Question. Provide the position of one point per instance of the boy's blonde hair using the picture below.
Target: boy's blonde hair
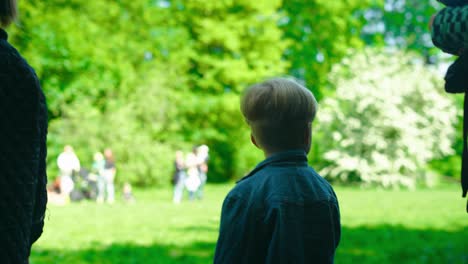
(278, 111)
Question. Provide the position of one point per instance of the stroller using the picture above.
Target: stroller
(85, 186)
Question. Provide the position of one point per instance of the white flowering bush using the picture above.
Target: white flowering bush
(388, 118)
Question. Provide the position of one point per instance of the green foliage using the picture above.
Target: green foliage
(97, 50)
(235, 43)
(148, 77)
(378, 227)
(401, 24)
(135, 131)
(100, 64)
(320, 32)
(218, 122)
(387, 120)
(450, 165)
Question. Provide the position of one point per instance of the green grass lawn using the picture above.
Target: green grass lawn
(425, 226)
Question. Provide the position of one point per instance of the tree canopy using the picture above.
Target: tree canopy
(146, 78)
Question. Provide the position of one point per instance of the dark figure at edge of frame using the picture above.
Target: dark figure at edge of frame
(449, 30)
(23, 132)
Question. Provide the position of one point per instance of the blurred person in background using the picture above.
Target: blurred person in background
(68, 164)
(127, 193)
(109, 174)
(23, 132)
(202, 159)
(192, 183)
(98, 170)
(178, 179)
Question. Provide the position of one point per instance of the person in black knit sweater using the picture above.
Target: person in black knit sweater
(23, 132)
(449, 30)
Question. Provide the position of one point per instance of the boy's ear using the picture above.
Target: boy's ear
(252, 138)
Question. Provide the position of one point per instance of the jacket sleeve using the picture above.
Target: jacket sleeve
(41, 186)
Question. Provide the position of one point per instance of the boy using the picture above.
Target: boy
(282, 211)
(449, 29)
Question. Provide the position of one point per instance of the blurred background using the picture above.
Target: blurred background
(149, 77)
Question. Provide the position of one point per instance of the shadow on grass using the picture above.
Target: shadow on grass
(198, 252)
(398, 244)
(200, 229)
(382, 244)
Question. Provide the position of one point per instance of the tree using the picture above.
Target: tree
(235, 44)
(401, 24)
(387, 121)
(97, 50)
(97, 62)
(148, 77)
(139, 129)
(321, 32)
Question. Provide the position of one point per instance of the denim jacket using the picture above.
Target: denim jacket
(281, 212)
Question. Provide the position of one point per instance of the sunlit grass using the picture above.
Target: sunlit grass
(425, 226)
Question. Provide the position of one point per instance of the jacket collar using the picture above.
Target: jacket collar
(3, 34)
(290, 155)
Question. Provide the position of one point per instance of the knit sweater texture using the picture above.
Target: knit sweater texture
(23, 132)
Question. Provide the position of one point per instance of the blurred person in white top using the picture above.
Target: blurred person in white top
(202, 160)
(193, 178)
(68, 163)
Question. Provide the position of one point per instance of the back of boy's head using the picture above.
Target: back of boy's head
(279, 111)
